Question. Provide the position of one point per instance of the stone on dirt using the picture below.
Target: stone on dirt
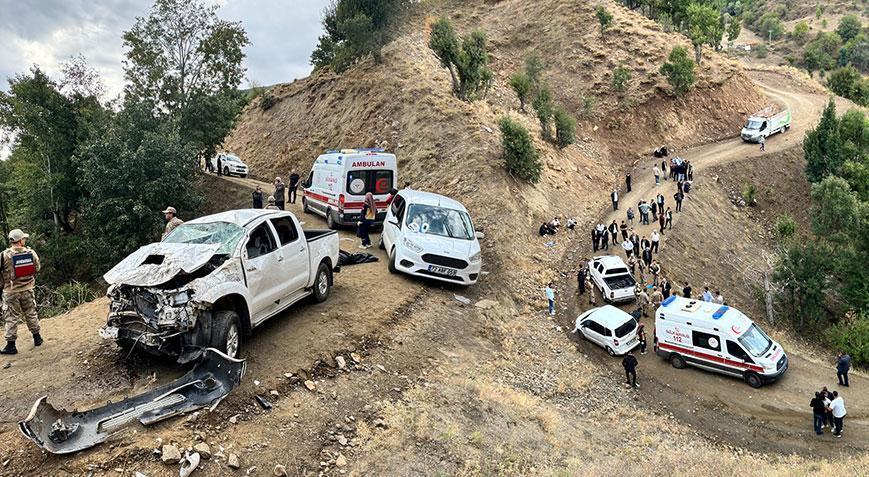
(463, 300)
(355, 357)
(170, 454)
(310, 385)
(340, 461)
(486, 304)
(203, 449)
(342, 364)
(233, 461)
(280, 471)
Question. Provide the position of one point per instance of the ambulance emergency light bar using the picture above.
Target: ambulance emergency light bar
(358, 149)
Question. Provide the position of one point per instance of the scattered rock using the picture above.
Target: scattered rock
(340, 461)
(233, 462)
(233, 419)
(462, 300)
(280, 471)
(380, 367)
(341, 439)
(203, 449)
(310, 385)
(274, 392)
(355, 357)
(342, 364)
(170, 454)
(486, 304)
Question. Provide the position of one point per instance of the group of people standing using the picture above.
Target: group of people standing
(278, 198)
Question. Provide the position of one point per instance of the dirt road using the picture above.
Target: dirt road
(773, 418)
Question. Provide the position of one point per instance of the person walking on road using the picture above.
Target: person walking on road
(172, 221)
(614, 196)
(818, 411)
(624, 229)
(614, 232)
(580, 279)
(294, 186)
(630, 364)
(19, 265)
(257, 196)
(595, 239)
(657, 173)
(678, 196)
(279, 193)
(843, 365)
(837, 408)
(669, 219)
(641, 336)
(762, 144)
(656, 239)
(219, 165)
(628, 246)
(628, 181)
(550, 297)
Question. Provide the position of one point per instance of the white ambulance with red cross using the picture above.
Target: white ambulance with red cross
(716, 338)
(339, 180)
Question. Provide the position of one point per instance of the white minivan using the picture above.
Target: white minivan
(610, 328)
(717, 338)
(431, 235)
(339, 180)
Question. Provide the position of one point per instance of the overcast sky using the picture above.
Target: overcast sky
(48, 32)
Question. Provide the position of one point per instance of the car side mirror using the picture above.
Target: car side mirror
(480, 235)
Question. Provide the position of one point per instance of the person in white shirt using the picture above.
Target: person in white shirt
(719, 298)
(550, 297)
(837, 407)
(707, 295)
(629, 248)
(657, 173)
(656, 237)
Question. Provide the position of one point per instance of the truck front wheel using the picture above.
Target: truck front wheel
(226, 333)
(322, 283)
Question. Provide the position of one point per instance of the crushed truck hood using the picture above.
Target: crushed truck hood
(159, 262)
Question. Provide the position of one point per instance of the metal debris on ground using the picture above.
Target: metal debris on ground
(64, 432)
(263, 402)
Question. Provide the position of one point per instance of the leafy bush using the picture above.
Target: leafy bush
(856, 52)
(53, 301)
(604, 18)
(467, 59)
(822, 52)
(587, 105)
(268, 100)
(545, 108)
(761, 50)
(770, 26)
(519, 153)
(849, 83)
(679, 70)
(533, 66)
(565, 127)
(785, 227)
(849, 27)
(801, 32)
(851, 335)
(749, 193)
(621, 76)
(822, 146)
(522, 86)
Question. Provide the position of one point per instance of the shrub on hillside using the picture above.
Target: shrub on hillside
(621, 76)
(749, 193)
(801, 32)
(679, 70)
(604, 18)
(851, 336)
(822, 146)
(761, 50)
(565, 127)
(587, 105)
(785, 227)
(519, 153)
(847, 82)
(466, 59)
(770, 26)
(533, 66)
(522, 86)
(856, 52)
(267, 100)
(822, 52)
(544, 107)
(849, 27)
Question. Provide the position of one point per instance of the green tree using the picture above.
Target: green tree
(802, 273)
(785, 227)
(734, 27)
(534, 66)
(703, 28)
(544, 107)
(761, 50)
(849, 27)
(770, 26)
(565, 127)
(834, 208)
(822, 146)
(519, 153)
(620, 79)
(186, 63)
(522, 86)
(847, 82)
(856, 52)
(467, 60)
(801, 32)
(604, 18)
(821, 53)
(679, 70)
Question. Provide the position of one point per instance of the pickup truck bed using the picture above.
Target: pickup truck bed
(619, 282)
(311, 235)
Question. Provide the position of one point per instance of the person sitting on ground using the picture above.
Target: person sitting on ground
(719, 298)
(571, 223)
(546, 229)
(556, 223)
(707, 295)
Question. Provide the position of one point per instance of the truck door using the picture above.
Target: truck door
(262, 267)
(764, 128)
(294, 251)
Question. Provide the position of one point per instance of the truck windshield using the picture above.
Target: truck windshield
(223, 233)
(755, 341)
(427, 219)
(753, 124)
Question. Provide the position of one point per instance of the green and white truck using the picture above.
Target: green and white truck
(765, 123)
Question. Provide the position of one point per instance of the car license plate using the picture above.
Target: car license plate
(442, 270)
(109, 333)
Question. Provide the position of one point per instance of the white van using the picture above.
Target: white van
(431, 235)
(716, 338)
(339, 180)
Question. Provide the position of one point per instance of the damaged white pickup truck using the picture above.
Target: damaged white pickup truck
(215, 279)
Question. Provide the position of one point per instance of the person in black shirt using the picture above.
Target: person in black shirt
(819, 410)
(258, 198)
(665, 288)
(580, 279)
(595, 238)
(628, 181)
(614, 231)
(686, 292)
(219, 166)
(294, 186)
(630, 364)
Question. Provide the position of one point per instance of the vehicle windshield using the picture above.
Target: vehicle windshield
(223, 233)
(626, 328)
(755, 341)
(427, 219)
(753, 124)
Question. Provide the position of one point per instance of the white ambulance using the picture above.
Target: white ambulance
(716, 338)
(339, 180)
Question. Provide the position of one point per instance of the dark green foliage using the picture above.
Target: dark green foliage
(544, 106)
(761, 50)
(679, 70)
(849, 83)
(770, 26)
(785, 227)
(849, 27)
(802, 275)
(565, 127)
(467, 59)
(620, 79)
(822, 146)
(851, 335)
(856, 53)
(522, 86)
(534, 66)
(354, 29)
(604, 18)
(704, 28)
(734, 27)
(801, 32)
(267, 101)
(519, 152)
(822, 52)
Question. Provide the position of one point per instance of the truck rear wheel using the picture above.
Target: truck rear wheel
(322, 283)
(677, 361)
(226, 333)
(753, 380)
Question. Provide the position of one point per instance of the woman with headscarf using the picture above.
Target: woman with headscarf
(366, 218)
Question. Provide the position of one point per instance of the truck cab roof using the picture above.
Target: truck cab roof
(610, 261)
(705, 315)
(239, 217)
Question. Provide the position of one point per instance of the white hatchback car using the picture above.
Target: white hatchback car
(610, 328)
(431, 235)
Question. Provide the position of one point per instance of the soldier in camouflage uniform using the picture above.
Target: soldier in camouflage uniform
(18, 267)
(171, 221)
